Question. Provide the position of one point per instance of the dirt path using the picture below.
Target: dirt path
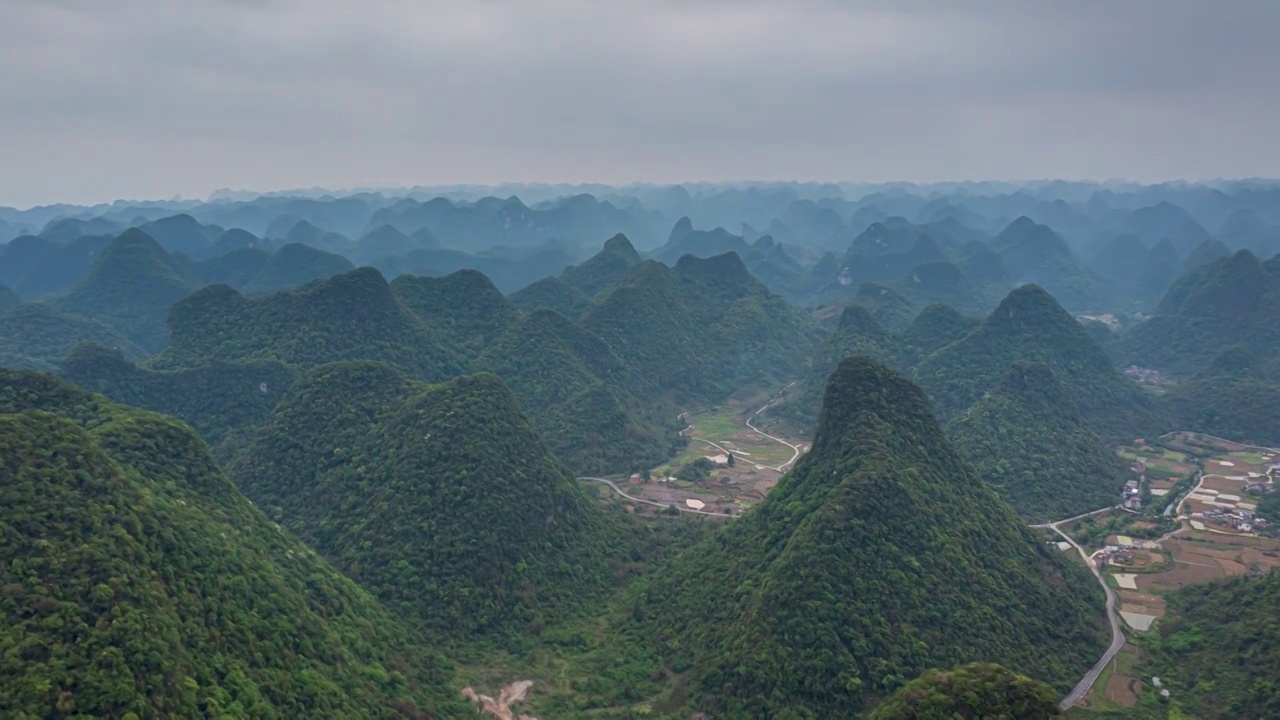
(633, 498)
(511, 694)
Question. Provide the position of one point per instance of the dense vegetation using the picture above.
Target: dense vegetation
(552, 293)
(1233, 398)
(36, 336)
(464, 307)
(604, 269)
(588, 405)
(701, 330)
(1216, 651)
(976, 691)
(443, 501)
(138, 583)
(130, 289)
(1233, 301)
(1030, 325)
(881, 555)
(1026, 438)
(223, 401)
(346, 317)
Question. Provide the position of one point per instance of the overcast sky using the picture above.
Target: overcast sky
(152, 98)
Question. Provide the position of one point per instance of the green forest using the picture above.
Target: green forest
(138, 583)
(245, 477)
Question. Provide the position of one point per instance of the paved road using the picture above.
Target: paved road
(795, 449)
(633, 498)
(1117, 634)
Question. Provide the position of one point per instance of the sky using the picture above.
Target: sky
(154, 98)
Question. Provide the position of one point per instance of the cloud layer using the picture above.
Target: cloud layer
(152, 98)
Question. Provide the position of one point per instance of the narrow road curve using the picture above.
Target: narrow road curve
(795, 449)
(1117, 634)
(633, 498)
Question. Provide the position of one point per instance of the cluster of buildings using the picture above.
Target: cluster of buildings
(1238, 520)
(1121, 553)
(1131, 498)
(1114, 555)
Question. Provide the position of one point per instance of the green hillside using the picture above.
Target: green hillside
(346, 317)
(1026, 438)
(1233, 398)
(552, 294)
(603, 269)
(703, 329)
(935, 327)
(443, 501)
(8, 300)
(1216, 651)
(138, 583)
(295, 264)
(465, 307)
(881, 555)
(977, 690)
(223, 401)
(36, 336)
(858, 333)
(1030, 325)
(1231, 301)
(580, 397)
(130, 289)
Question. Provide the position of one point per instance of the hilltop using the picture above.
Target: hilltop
(139, 583)
(1228, 302)
(1026, 438)
(603, 269)
(881, 555)
(130, 289)
(595, 415)
(345, 317)
(1030, 325)
(701, 330)
(441, 500)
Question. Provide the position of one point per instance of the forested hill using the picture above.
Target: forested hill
(983, 691)
(1231, 301)
(443, 501)
(223, 401)
(881, 555)
(604, 269)
(138, 583)
(1233, 397)
(703, 329)
(597, 415)
(346, 317)
(1218, 653)
(1030, 325)
(130, 289)
(1027, 439)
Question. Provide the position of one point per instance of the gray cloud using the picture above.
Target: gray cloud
(152, 98)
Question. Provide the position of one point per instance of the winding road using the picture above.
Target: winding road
(1117, 634)
(633, 498)
(795, 449)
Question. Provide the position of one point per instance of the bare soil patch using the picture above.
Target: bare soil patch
(500, 707)
(1122, 690)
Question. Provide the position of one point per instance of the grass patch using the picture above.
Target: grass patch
(716, 424)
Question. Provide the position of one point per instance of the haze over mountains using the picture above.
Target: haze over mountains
(378, 408)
